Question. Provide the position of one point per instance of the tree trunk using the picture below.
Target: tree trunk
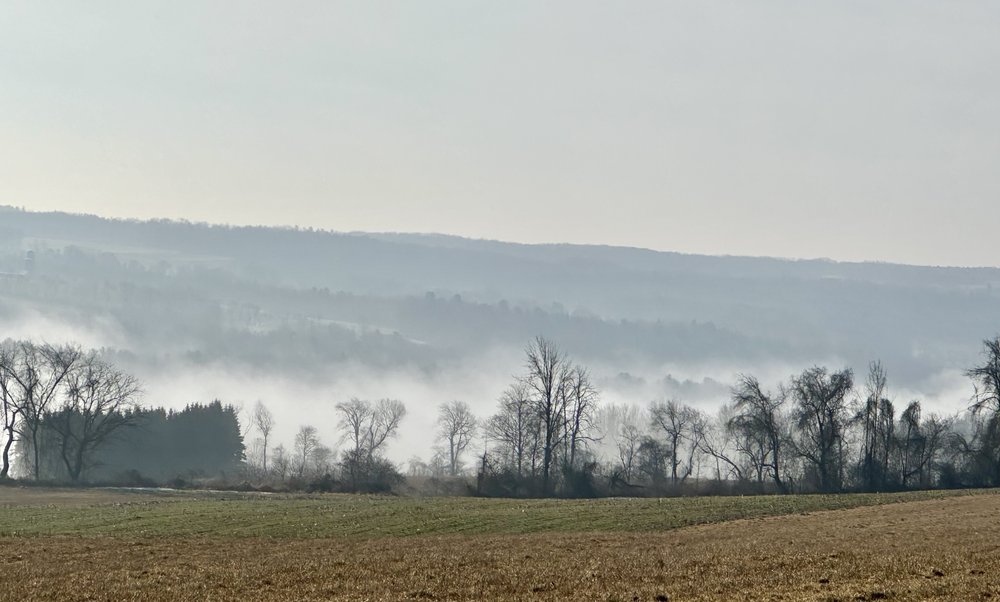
(5, 468)
(78, 464)
(546, 463)
(265, 454)
(452, 468)
(34, 449)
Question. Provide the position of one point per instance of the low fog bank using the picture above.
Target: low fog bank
(479, 383)
(298, 398)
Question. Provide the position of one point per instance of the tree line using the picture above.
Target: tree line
(71, 415)
(818, 431)
(60, 402)
(366, 428)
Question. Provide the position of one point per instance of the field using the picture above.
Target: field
(144, 545)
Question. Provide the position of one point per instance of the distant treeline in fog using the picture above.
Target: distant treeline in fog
(71, 415)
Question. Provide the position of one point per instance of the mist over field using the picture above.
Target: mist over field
(303, 319)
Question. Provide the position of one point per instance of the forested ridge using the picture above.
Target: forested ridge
(248, 289)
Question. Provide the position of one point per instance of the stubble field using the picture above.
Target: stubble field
(117, 545)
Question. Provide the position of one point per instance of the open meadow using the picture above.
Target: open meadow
(163, 545)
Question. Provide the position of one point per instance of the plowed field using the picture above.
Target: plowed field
(944, 548)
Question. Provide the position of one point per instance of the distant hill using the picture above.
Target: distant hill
(280, 299)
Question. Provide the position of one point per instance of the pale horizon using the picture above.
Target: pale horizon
(847, 131)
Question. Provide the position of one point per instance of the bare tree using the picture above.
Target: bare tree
(886, 438)
(367, 426)
(675, 421)
(697, 433)
(388, 414)
(718, 439)
(652, 459)
(548, 378)
(983, 451)
(934, 432)
(306, 442)
(279, 465)
(456, 428)
(517, 428)
(355, 416)
(822, 418)
(320, 460)
(581, 403)
(10, 409)
(438, 464)
(416, 467)
(621, 429)
(263, 420)
(911, 444)
(37, 373)
(99, 401)
(757, 428)
(252, 453)
(878, 420)
(986, 378)
(627, 443)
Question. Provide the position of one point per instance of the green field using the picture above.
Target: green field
(30, 512)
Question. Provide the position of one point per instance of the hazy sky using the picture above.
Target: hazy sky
(843, 129)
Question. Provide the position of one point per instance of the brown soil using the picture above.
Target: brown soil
(945, 549)
(28, 496)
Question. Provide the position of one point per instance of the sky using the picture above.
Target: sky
(852, 130)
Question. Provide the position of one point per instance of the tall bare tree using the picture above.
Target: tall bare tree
(986, 378)
(675, 422)
(627, 442)
(757, 426)
(621, 427)
(10, 409)
(984, 449)
(38, 373)
(306, 442)
(910, 444)
(263, 420)
(99, 400)
(367, 426)
(580, 407)
(922, 446)
(279, 465)
(877, 417)
(320, 460)
(822, 418)
(718, 440)
(549, 376)
(456, 428)
(517, 429)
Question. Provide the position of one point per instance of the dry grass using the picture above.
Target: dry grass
(945, 549)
